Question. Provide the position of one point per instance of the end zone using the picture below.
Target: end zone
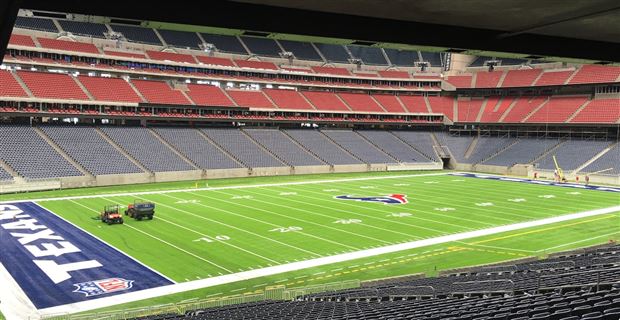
(54, 263)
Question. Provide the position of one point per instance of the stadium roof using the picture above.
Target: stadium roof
(587, 31)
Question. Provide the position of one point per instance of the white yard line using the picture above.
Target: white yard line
(207, 236)
(232, 227)
(580, 241)
(227, 187)
(161, 240)
(267, 223)
(295, 266)
(302, 220)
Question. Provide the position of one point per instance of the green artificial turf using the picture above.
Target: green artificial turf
(198, 234)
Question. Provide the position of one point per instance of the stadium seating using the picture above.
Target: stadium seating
(389, 102)
(433, 58)
(31, 156)
(443, 105)
(325, 101)
(394, 74)
(361, 102)
(607, 164)
(10, 87)
(253, 99)
(159, 92)
(503, 292)
(109, 89)
(215, 61)
(404, 58)
(558, 109)
(331, 70)
(207, 95)
(143, 146)
(196, 148)
(283, 147)
(170, 56)
(242, 148)
(255, 64)
(224, 43)
(420, 141)
(262, 46)
(124, 54)
(414, 104)
(520, 78)
(96, 30)
(495, 108)
(524, 151)
(368, 55)
(137, 34)
(595, 74)
(89, 149)
(68, 45)
(333, 52)
(180, 39)
(358, 146)
(460, 81)
(288, 99)
(393, 146)
(487, 147)
(553, 78)
(301, 50)
(486, 79)
(5, 176)
(33, 23)
(599, 111)
(319, 145)
(468, 110)
(571, 154)
(522, 108)
(21, 40)
(52, 85)
(456, 144)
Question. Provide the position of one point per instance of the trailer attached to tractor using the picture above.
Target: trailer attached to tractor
(141, 210)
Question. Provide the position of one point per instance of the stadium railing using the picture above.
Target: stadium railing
(180, 308)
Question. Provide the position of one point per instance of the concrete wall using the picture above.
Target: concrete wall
(311, 169)
(135, 178)
(416, 166)
(178, 175)
(571, 176)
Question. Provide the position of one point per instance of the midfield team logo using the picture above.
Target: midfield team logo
(391, 199)
(97, 287)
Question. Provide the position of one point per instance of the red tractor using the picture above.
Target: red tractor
(111, 215)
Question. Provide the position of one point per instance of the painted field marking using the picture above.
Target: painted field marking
(295, 266)
(228, 187)
(161, 240)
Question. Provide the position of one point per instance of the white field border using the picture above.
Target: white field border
(186, 190)
(295, 266)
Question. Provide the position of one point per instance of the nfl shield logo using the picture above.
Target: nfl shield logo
(97, 287)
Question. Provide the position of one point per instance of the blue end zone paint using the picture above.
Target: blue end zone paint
(63, 264)
(539, 182)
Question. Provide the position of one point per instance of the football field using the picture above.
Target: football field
(239, 238)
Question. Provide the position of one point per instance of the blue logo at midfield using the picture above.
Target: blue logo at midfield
(97, 287)
(391, 199)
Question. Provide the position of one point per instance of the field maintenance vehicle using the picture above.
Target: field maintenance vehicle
(141, 210)
(111, 215)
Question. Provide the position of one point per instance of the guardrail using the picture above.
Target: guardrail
(180, 308)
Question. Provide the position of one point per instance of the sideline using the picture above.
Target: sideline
(295, 266)
(226, 187)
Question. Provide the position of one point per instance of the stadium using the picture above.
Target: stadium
(241, 160)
